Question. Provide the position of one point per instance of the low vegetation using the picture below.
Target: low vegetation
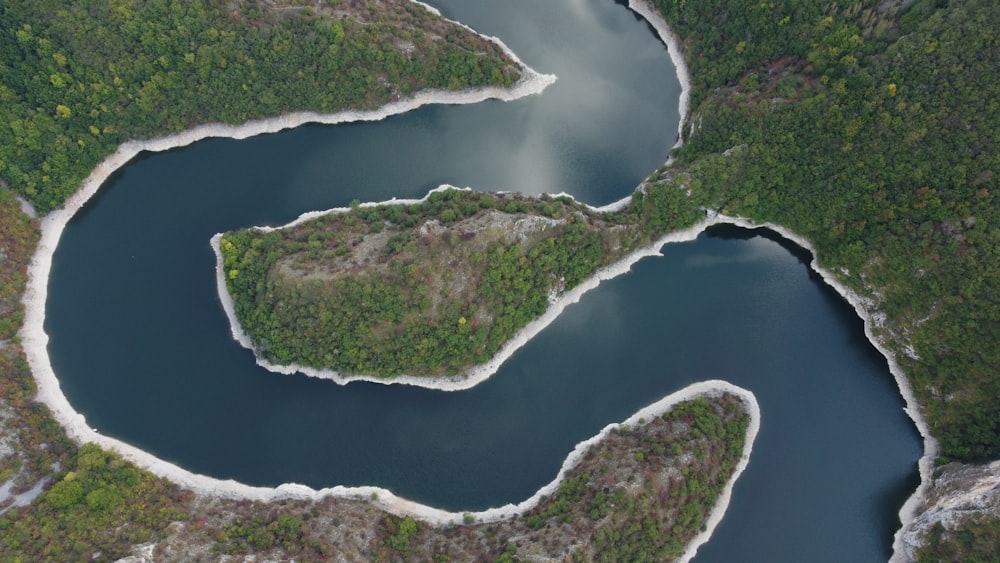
(102, 506)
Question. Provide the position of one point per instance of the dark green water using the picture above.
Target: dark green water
(142, 348)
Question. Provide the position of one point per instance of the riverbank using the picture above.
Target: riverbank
(912, 506)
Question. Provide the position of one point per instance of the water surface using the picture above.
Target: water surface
(142, 348)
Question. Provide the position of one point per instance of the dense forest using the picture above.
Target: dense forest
(874, 134)
(79, 78)
(432, 288)
(871, 128)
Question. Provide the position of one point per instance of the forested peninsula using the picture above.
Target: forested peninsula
(70, 98)
(429, 288)
(870, 128)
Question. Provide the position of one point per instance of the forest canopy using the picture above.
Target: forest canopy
(79, 78)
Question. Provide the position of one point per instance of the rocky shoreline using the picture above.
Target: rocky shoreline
(902, 549)
(904, 541)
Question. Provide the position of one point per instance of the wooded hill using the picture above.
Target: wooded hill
(79, 78)
(432, 288)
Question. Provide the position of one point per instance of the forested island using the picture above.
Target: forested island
(870, 128)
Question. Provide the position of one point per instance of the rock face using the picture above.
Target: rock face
(960, 492)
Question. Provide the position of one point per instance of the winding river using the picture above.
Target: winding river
(142, 348)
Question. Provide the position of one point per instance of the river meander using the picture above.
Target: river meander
(142, 348)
